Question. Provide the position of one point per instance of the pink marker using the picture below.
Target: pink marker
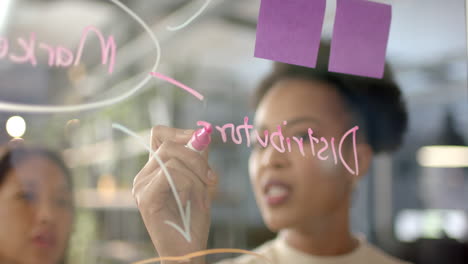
(200, 139)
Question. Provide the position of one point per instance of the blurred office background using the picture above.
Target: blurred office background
(413, 204)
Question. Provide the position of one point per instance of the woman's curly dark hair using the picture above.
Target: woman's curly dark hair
(376, 103)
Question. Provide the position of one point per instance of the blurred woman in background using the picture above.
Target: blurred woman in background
(306, 199)
(36, 208)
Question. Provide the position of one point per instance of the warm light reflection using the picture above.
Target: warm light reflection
(16, 126)
(443, 156)
(106, 187)
(77, 73)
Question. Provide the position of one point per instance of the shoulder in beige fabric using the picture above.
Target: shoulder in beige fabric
(280, 253)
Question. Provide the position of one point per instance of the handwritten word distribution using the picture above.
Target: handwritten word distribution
(283, 144)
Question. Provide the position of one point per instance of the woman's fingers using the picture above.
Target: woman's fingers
(188, 169)
(163, 188)
(161, 134)
(186, 185)
(172, 150)
(189, 158)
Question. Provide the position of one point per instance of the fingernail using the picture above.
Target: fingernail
(184, 134)
(188, 132)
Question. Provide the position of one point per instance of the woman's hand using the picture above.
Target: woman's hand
(193, 180)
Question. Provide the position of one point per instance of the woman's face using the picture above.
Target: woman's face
(35, 213)
(292, 190)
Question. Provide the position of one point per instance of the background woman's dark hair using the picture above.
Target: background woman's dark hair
(13, 156)
(376, 103)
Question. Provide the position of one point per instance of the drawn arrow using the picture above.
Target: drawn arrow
(184, 214)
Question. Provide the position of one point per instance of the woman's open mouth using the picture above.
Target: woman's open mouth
(276, 193)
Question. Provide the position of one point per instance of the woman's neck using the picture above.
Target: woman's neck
(324, 237)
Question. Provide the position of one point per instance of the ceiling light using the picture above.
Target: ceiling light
(443, 156)
(16, 126)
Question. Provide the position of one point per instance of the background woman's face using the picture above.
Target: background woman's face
(35, 213)
(293, 190)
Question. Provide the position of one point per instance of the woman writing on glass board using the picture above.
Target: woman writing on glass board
(36, 211)
(304, 198)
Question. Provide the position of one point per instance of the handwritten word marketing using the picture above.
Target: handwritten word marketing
(58, 56)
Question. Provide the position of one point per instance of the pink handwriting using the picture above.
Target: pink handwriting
(176, 83)
(28, 48)
(58, 56)
(278, 142)
(105, 47)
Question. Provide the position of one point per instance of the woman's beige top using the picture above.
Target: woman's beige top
(280, 253)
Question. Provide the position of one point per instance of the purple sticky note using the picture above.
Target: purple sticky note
(360, 38)
(289, 31)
